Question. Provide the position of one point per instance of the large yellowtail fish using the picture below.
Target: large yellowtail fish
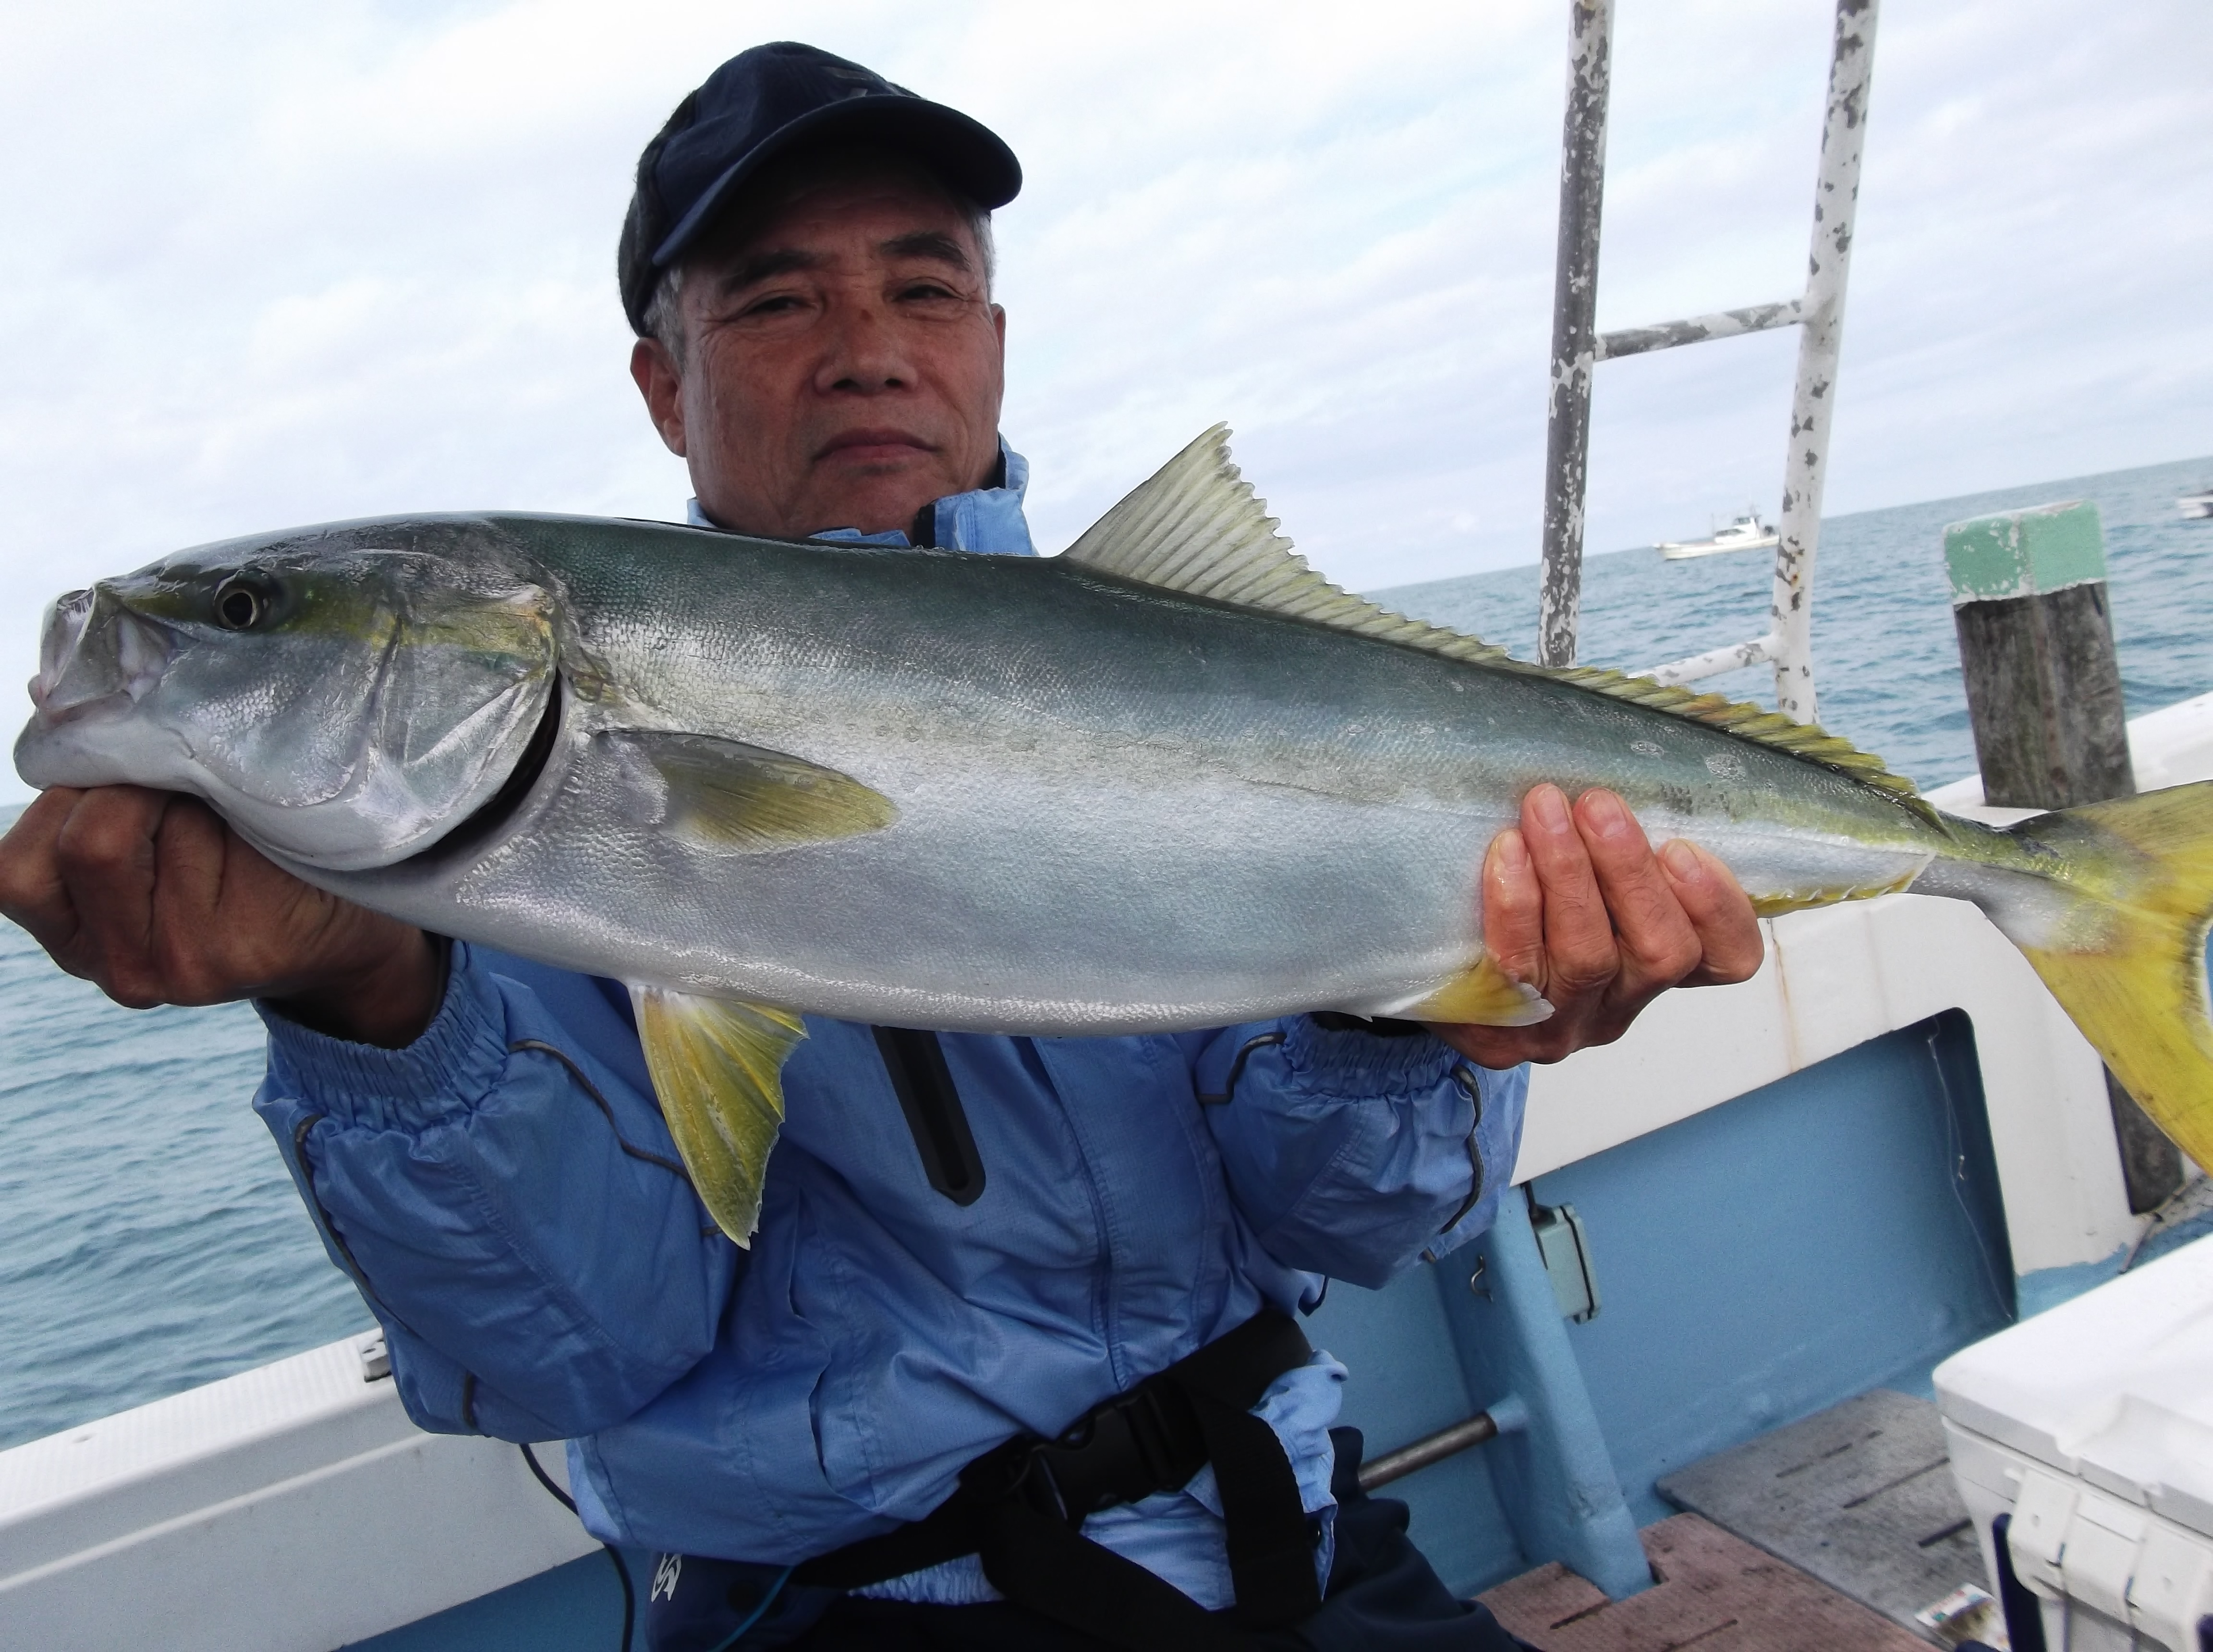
(1171, 779)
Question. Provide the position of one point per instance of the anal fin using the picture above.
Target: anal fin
(718, 1065)
(1775, 903)
(1482, 995)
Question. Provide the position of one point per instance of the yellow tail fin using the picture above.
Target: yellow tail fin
(2130, 967)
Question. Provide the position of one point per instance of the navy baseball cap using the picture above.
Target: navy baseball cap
(767, 102)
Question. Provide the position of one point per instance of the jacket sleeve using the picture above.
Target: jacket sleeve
(1350, 1153)
(505, 1195)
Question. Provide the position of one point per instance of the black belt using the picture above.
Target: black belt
(1020, 1506)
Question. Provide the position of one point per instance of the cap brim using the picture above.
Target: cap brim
(966, 154)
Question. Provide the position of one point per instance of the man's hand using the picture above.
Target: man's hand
(1577, 904)
(152, 898)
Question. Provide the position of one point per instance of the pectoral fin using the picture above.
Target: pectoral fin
(1483, 995)
(743, 800)
(718, 1066)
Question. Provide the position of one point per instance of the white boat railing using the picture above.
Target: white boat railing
(292, 1507)
(1578, 346)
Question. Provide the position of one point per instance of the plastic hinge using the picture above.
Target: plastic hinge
(2038, 1535)
(2172, 1587)
(375, 1359)
(2101, 1556)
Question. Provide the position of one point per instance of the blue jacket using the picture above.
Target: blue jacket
(506, 1195)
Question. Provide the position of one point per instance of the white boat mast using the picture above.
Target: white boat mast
(1577, 347)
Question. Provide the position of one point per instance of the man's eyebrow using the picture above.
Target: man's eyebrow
(933, 244)
(762, 267)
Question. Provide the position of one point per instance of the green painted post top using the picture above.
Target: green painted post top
(2024, 552)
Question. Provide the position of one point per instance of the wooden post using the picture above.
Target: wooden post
(2043, 694)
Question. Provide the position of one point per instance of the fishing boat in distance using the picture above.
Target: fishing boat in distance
(2199, 504)
(1746, 533)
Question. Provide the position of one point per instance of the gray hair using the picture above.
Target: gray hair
(664, 311)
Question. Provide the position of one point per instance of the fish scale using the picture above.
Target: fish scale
(1171, 779)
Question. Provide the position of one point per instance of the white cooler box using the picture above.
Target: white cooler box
(2092, 1426)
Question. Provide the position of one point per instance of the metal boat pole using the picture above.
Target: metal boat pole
(1575, 315)
(1431, 1449)
(1787, 643)
(1836, 196)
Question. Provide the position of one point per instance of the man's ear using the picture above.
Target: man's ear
(662, 383)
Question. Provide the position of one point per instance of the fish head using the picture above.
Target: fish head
(343, 706)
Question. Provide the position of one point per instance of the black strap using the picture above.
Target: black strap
(1055, 1570)
(924, 1083)
(1271, 1538)
(1021, 1505)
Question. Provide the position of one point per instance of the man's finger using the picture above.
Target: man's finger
(1514, 910)
(1657, 942)
(1730, 942)
(1579, 950)
(31, 893)
(189, 938)
(106, 854)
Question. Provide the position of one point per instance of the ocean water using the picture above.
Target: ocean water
(151, 1239)
(1886, 663)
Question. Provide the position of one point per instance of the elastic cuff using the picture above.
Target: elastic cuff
(458, 1059)
(1343, 1061)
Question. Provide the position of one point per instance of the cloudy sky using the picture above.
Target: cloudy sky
(267, 264)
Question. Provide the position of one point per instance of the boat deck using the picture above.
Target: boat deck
(1860, 1497)
(1715, 1592)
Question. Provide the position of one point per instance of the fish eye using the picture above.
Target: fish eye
(241, 603)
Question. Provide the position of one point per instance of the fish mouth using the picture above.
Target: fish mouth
(95, 655)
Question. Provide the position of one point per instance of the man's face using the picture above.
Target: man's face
(842, 363)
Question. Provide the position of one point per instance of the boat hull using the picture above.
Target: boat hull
(1674, 552)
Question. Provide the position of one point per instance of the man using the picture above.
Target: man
(844, 1436)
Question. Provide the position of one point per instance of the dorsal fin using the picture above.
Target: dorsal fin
(1197, 527)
